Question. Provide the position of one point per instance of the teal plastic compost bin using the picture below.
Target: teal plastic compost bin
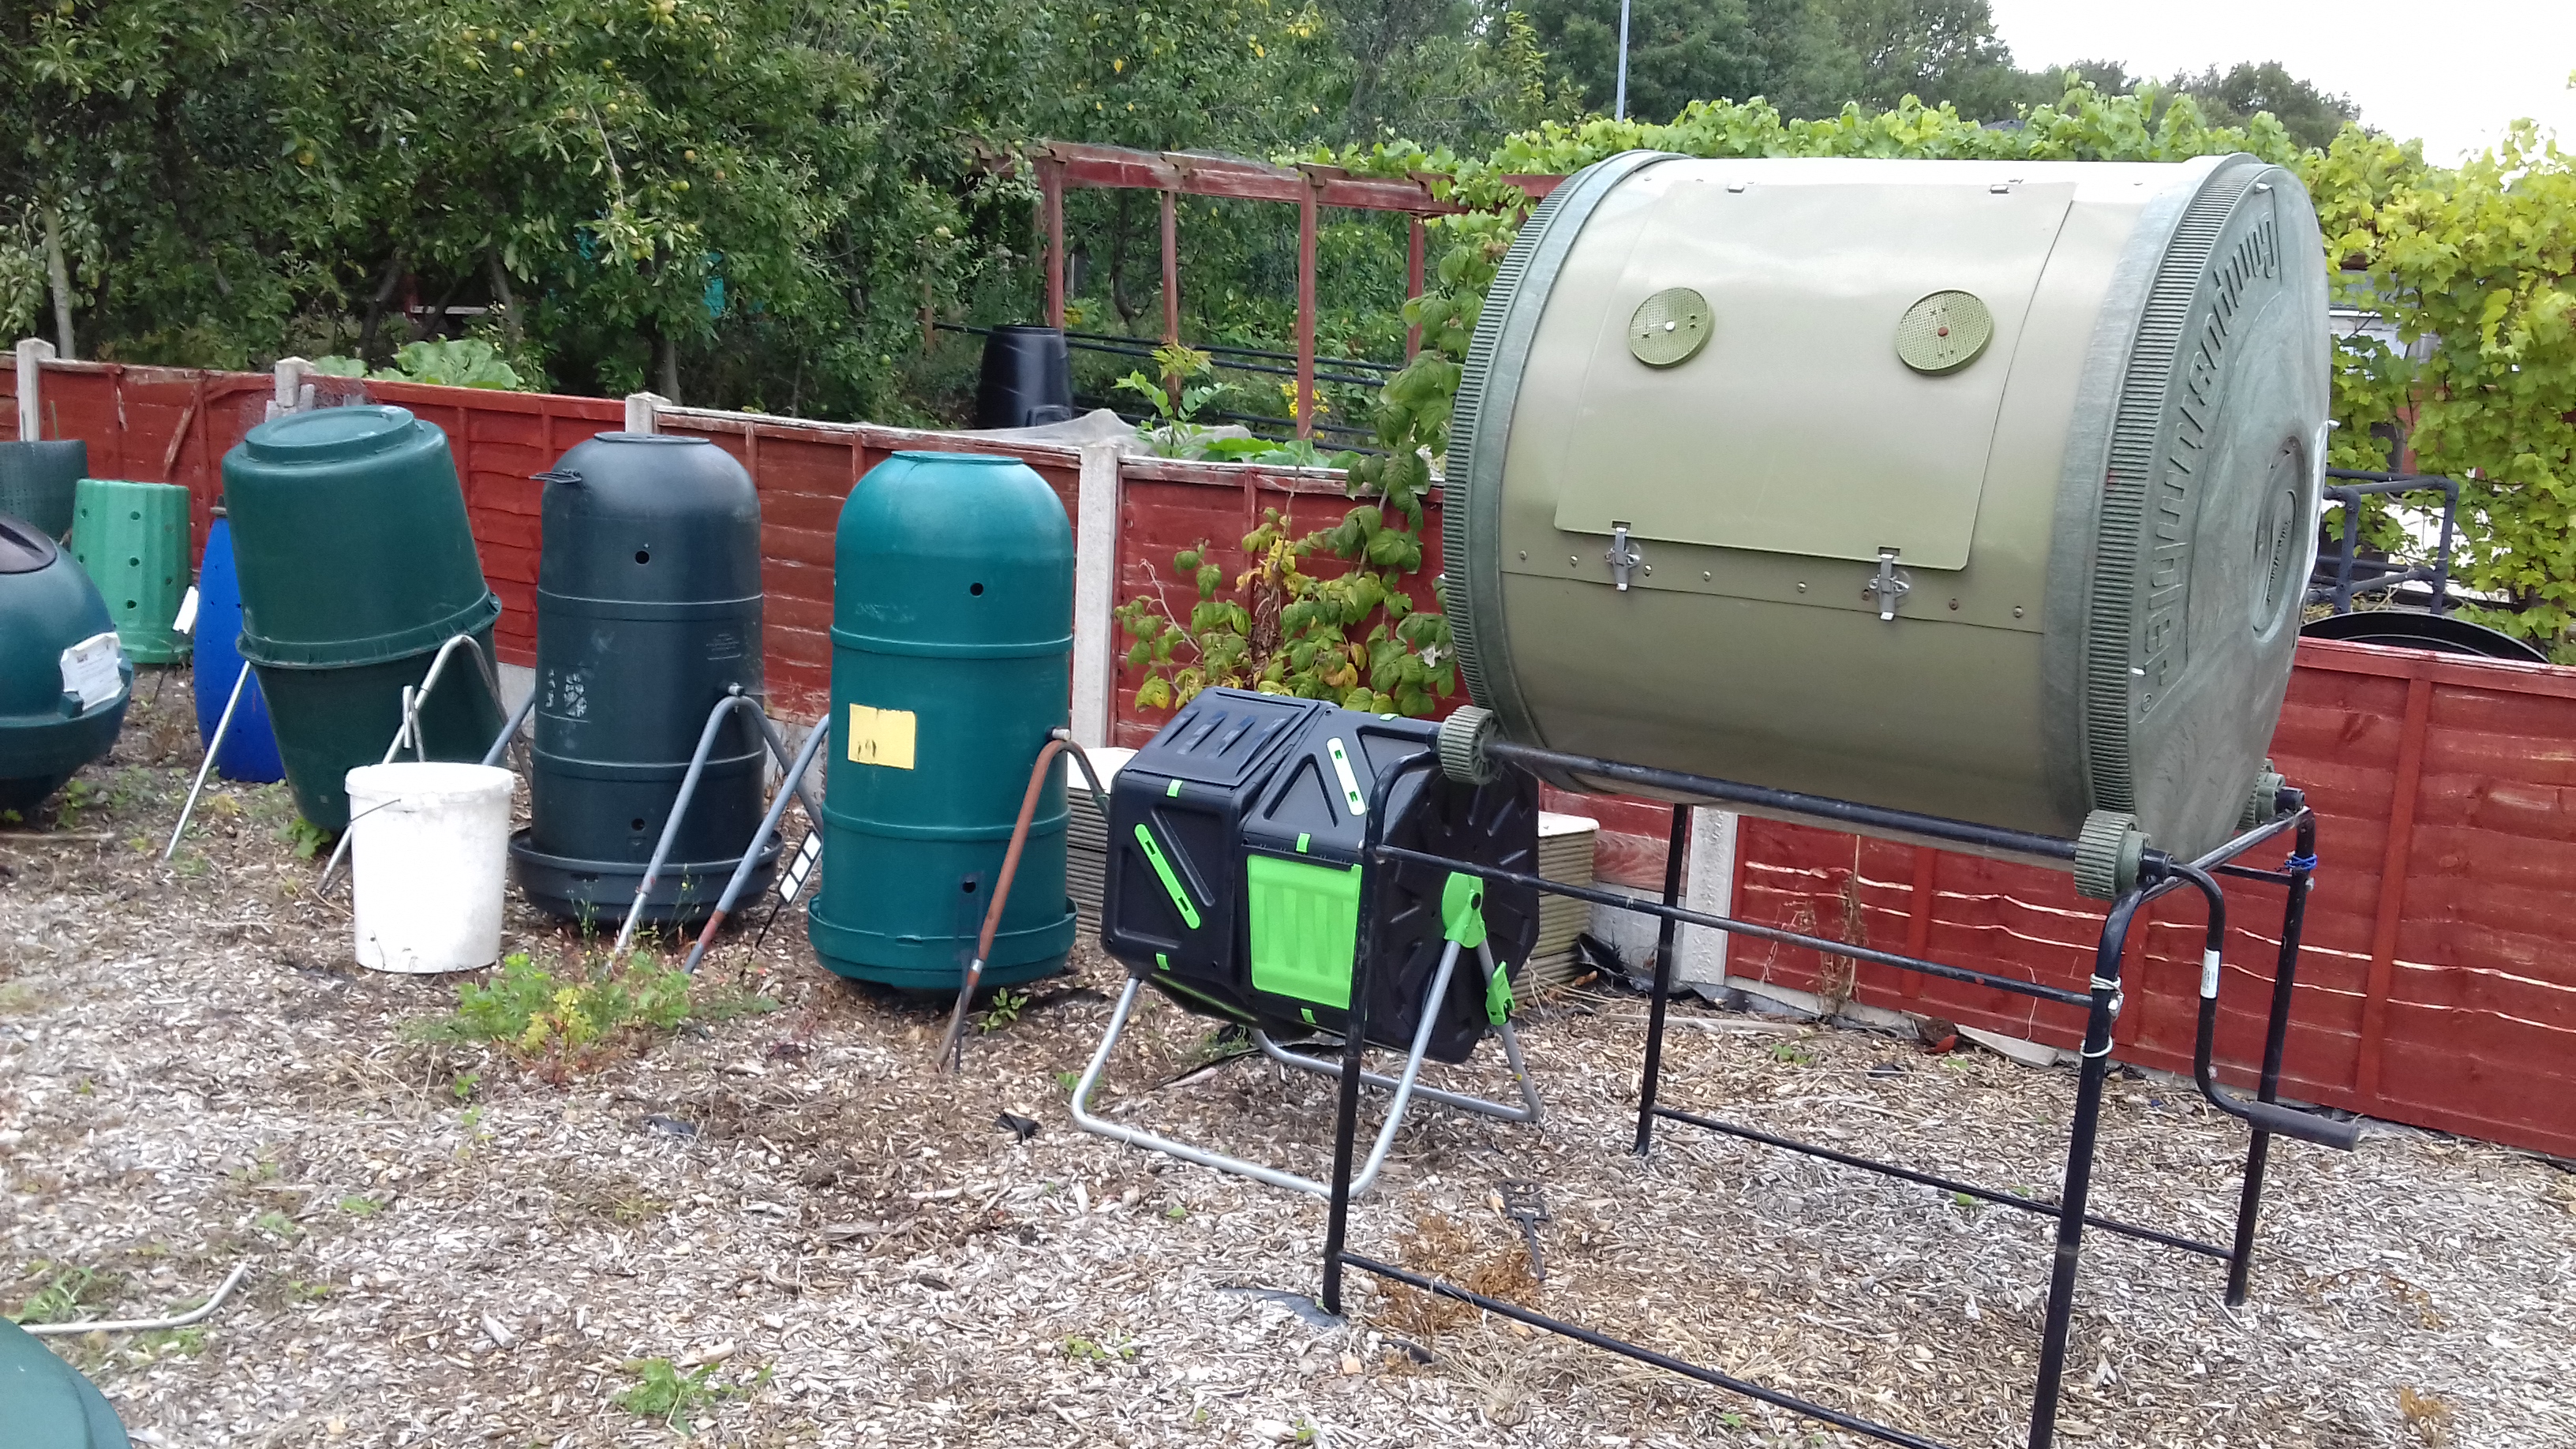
(63, 681)
(952, 646)
(356, 565)
(133, 540)
(45, 1403)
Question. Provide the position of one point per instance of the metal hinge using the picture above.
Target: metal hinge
(1624, 556)
(1889, 586)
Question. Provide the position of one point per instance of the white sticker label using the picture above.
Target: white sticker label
(792, 880)
(90, 670)
(1351, 795)
(2208, 974)
(186, 622)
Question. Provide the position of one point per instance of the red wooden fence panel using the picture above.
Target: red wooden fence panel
(2438, 975)
(2437, 970)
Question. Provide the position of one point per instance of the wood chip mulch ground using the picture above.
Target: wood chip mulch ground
(831, 1243)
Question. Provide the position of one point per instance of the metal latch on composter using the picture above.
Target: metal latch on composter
(1889, 586)
(1625, 557)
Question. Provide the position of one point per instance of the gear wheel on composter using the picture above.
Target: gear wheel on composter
(1463, 737)
(2108, 852)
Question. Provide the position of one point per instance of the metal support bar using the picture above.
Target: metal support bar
(518, 717)
(1987, 840)
(1404, 1088)
(2276, 1032)
(2102, 1002)
(407, 731)
(223, 727)
(1946, 1184)
(1527, 1111)
(1666, 1362)
(750, 861)
(1684, 916)
(1667, 939)
(733, 700)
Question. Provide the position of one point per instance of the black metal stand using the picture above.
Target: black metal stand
(2158, 876)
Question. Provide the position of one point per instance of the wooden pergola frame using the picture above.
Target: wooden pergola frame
(1173, 174)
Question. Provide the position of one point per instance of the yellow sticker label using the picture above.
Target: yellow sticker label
(881, 737)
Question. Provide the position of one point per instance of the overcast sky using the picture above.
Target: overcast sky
(2451, 72)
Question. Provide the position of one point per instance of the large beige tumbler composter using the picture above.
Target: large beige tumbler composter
(1984, 490)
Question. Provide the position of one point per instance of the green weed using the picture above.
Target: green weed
(1794, 1054)
(1105, 1350)
(559, 1023)
(304, 837)
(70, 1293)
(1068, 1080)
(277, 1225)
(662, 1391)
(358, 1206)
(1006, 1008)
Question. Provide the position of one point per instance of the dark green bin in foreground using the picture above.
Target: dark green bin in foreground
(45, 1403)
(356, 565)
(952, 648)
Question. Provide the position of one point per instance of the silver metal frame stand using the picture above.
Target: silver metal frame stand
(734, 699)
(408, 732)
(1405, 1087)
(206, 766)
(788, 789)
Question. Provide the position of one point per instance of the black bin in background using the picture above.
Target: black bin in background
(38, 478)
(1027, 378)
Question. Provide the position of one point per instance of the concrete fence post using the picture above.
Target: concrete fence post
(640, 408)
(1095, 595)
(293, 394)
(33, 354)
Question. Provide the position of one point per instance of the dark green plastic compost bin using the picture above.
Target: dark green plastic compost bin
(356, 565)
(48, 726)
(133, 540)
(952, 644)
(648, 611)
(37, 479)
(45, 1403)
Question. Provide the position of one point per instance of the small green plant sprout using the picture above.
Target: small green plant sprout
(662, 1390)
(1068, 1080)
(1174, 430)
(1176, 1213)
(1305, 1432)
(277, 1225)
(1098, 1350)
(304, 837)
(70, 1293)
(1792, 1053)
(358, 1205)
(1006, 1008)
(463, 1087)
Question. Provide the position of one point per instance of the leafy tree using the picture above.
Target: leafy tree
(1933, 50)
(2310, 115)
(1680, 51)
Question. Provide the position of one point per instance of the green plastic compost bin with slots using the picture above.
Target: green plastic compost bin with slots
(356, 566)
(132, 538)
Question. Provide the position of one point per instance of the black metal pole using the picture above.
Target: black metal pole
(1665, 942)
(1355, 1029)
(2258, 1153)
(2351, 535)
(2096, 1067)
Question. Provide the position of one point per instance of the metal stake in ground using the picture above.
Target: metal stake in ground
(952, 1049)
(768, 826)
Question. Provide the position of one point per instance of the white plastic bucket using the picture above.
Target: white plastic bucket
(428, 845)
